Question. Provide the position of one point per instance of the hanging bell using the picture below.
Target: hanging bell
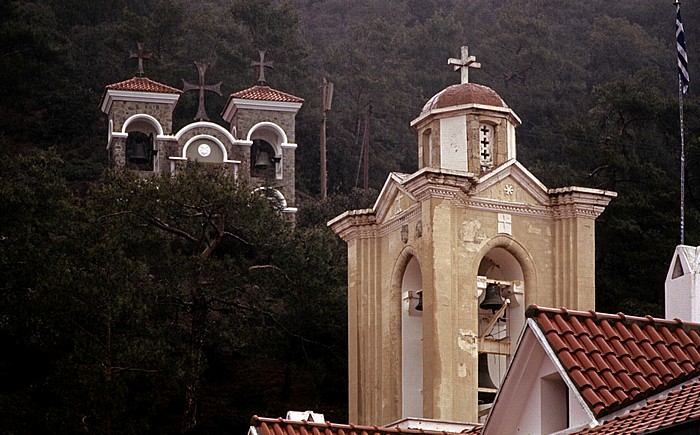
(492, 300)
(485, 380)
(419, 305)
(139, 152)
(263, 160)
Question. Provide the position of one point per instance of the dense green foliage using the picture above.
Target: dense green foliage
(126, 310)
(123, 300)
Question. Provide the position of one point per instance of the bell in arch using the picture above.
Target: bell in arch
(262, 161)
(492, 300)
(485, 380)
(139, 153)
(140, 148)
(419, 305)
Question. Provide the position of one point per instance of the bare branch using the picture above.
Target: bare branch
(131, 369)
(271, 266)
(165, 227)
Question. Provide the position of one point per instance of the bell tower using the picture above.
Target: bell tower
(441, 269)
(140, 113)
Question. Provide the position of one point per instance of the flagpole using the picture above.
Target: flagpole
(683, 80)
(680, 111)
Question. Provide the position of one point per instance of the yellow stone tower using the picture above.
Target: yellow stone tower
(441, 269)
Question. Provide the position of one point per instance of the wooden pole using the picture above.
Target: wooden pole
(326, 102)
(365, 148)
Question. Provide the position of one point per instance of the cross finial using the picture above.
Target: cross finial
(262, 65)
(201, 87)
(141, 55)
(464, 63)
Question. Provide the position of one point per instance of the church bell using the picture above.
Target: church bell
(484, 375)
(419, 305)
(262, 161)
(492, 300)
(139, 153)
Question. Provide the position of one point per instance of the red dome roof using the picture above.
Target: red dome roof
(465, 93)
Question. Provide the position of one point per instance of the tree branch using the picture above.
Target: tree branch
(165, 227)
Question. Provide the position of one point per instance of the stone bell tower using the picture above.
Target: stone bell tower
(441, 269)
(258, 146)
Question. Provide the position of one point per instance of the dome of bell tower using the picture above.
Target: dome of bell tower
(463, 94)
(467, 128)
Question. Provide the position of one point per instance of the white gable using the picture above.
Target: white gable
(682, 288)
(537, 395)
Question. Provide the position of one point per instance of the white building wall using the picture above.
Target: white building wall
(453, 143)
(682, 289)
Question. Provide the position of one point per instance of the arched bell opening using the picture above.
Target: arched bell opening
(412, 340)
(263, 159)
(501, 316)
(141, 150)
(266, 160)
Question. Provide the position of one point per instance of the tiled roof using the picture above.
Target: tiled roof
(266, 93)
(678, 407)
(143, 84)
(465, 93)
(280, 426)
(615, 360)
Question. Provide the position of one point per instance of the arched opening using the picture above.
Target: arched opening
(501, 281)
(412, 341)
(263, 159)
(266, 151)
(140, 148)
(140, 151)
(426, 149)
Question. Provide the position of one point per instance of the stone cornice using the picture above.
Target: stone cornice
(509, 207)
(354, 224)
(431, 183)
(579, 202)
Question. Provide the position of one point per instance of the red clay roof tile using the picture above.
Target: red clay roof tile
(279, 426)
(266, 93)
(679, 406)
(615, 360)
(143, 84)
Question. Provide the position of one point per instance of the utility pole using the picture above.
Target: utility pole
(326, 102)
(365, 147)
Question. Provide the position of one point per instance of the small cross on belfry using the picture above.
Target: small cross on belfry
(201, 87)
(141, 55)
(464, 63)
(262, 65)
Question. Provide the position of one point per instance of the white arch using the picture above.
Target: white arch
(205, 124)
(209, 138)
(280, 133)
(275, 192)
(148, 118)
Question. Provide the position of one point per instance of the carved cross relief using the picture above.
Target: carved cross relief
(486, 146)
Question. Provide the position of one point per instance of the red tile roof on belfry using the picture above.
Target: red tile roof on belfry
(266, 93)
(681, 406)
(616, 360)
(280, 426)
(143, 84)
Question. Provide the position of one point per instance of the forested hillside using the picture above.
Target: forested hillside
(105, 324)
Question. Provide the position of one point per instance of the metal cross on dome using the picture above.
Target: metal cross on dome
(201, 87)
(262, 65)
(464, 63)
(141, 55)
